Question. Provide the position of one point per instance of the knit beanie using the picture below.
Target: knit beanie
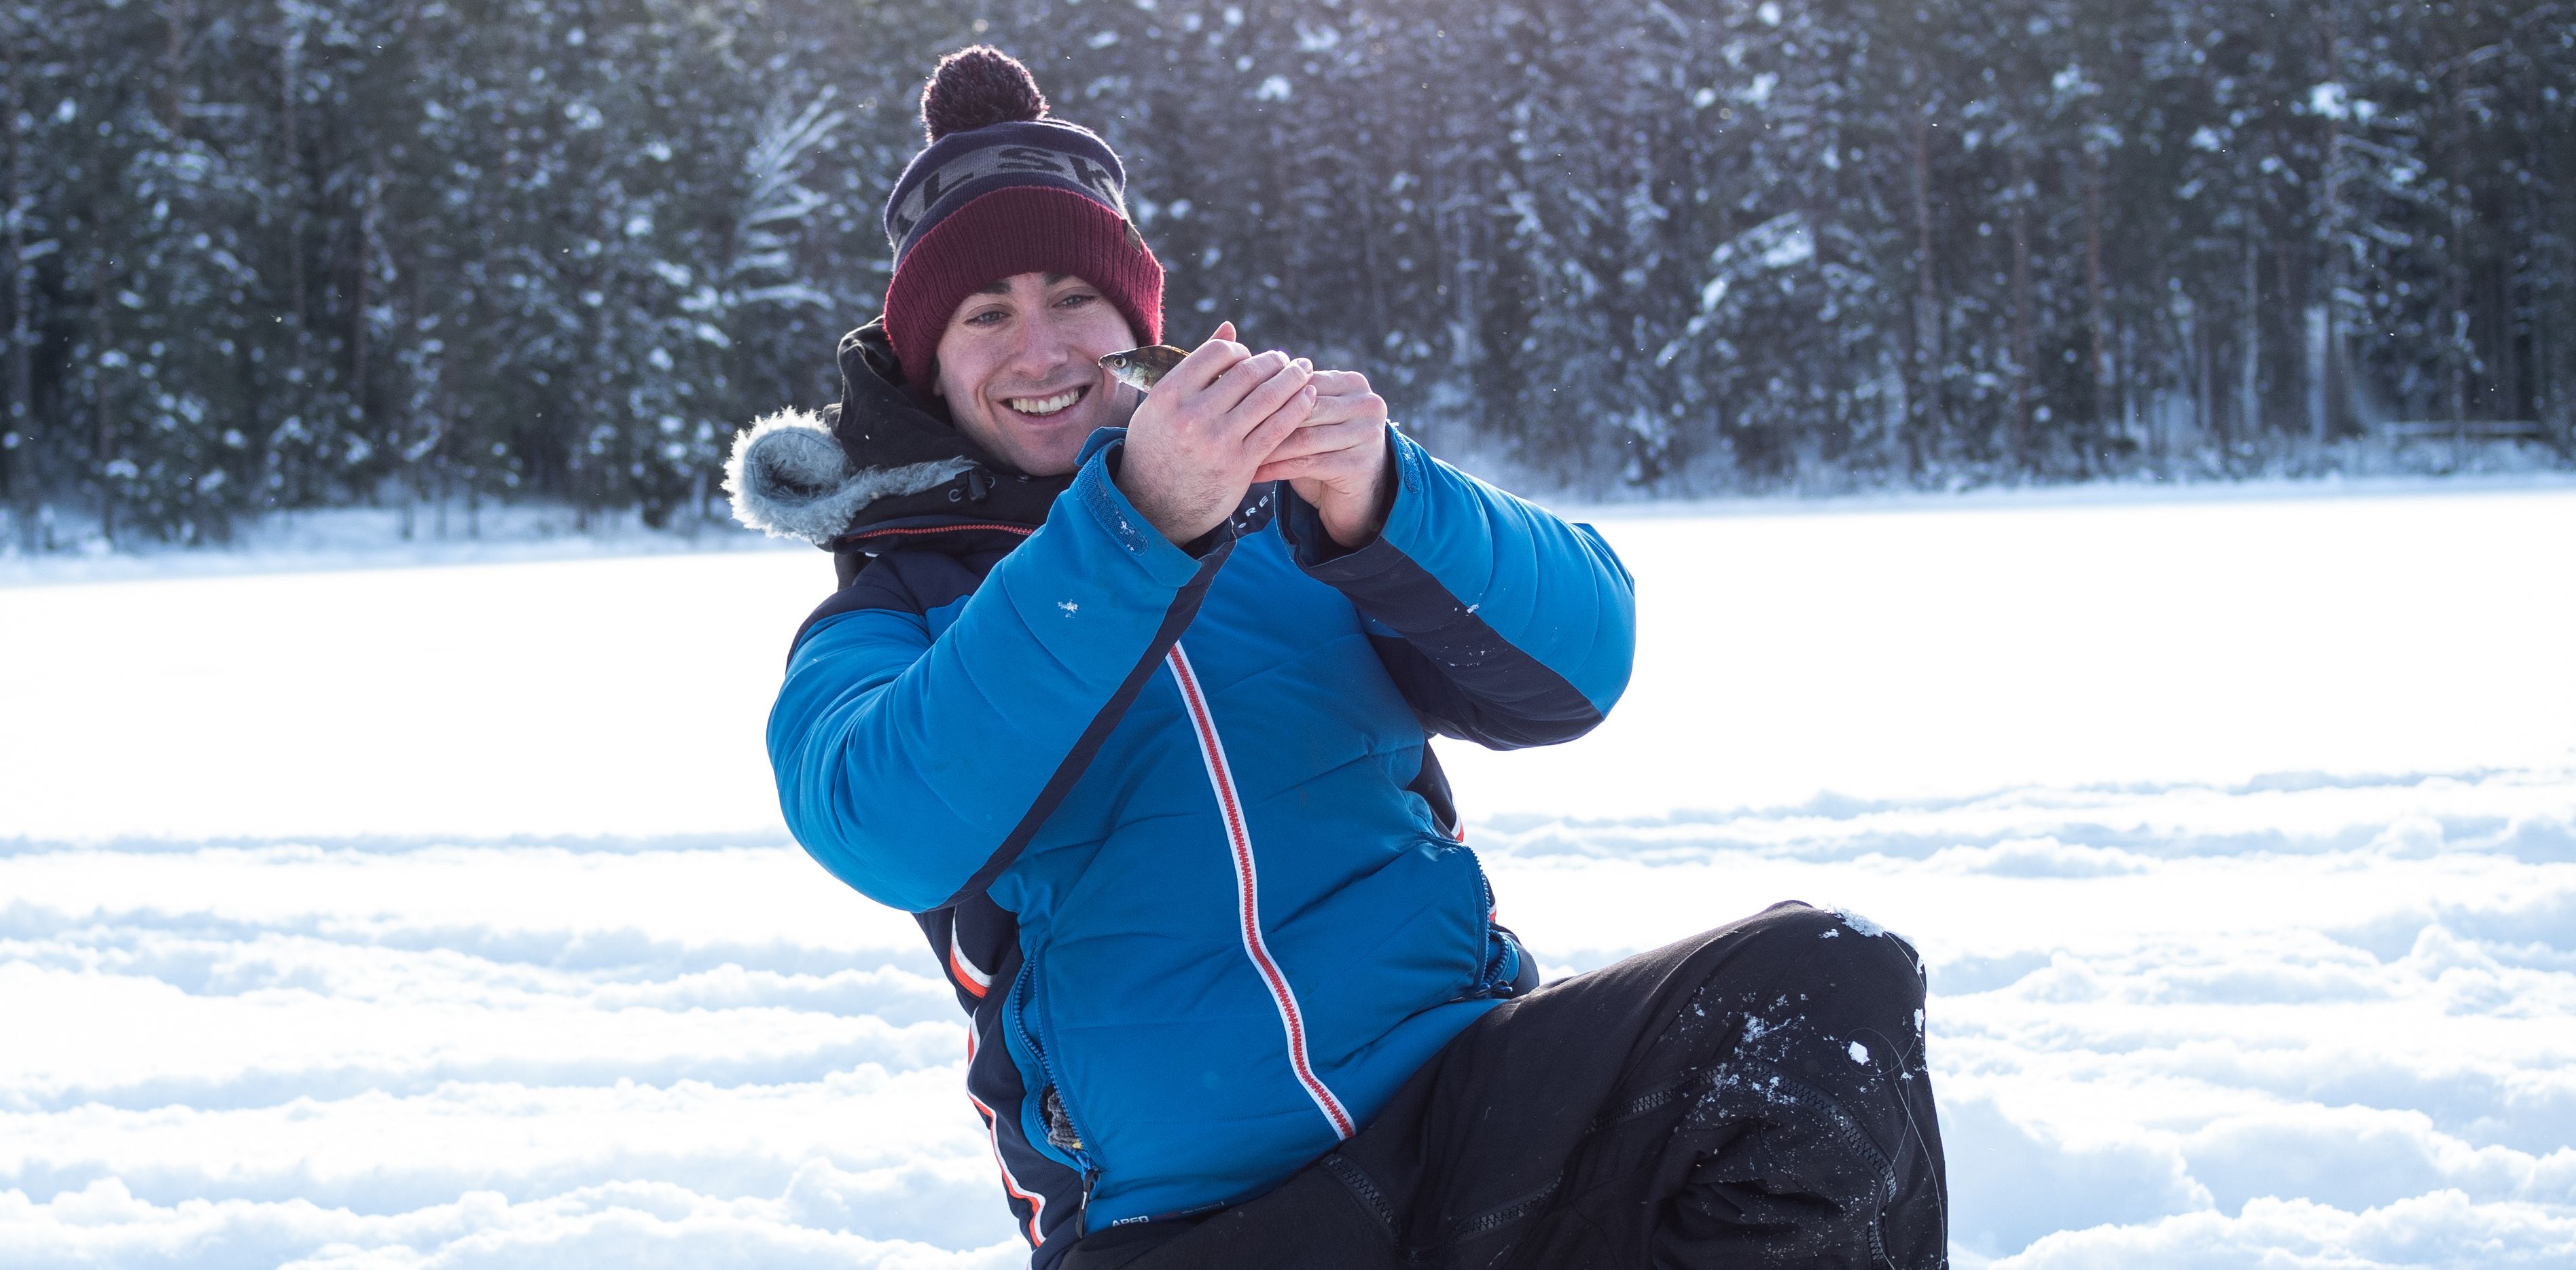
(1001, 190)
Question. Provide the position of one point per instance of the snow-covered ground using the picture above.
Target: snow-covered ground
(71, 548)
(439, 916)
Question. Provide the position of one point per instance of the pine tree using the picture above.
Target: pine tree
(278, 254)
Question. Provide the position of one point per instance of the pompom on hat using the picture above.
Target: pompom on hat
(1001, 190)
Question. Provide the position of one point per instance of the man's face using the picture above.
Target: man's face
(1019, 366)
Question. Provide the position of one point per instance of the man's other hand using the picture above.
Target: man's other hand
(1195, 445)
(1337, 461)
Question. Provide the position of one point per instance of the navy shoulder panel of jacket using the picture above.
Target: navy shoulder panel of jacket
(916, 564)
(1503, 624)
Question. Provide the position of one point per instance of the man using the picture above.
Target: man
(1137, 723)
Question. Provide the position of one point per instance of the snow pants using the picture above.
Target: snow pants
(1754, 1096)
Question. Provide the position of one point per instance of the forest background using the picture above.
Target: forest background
(441, 254)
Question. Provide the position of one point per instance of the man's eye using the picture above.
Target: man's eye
(985, 318)
(1078, 297)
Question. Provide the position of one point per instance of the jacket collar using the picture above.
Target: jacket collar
(882, 425)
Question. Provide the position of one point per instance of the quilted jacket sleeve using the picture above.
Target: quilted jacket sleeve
(916, 769)
(1501, 623)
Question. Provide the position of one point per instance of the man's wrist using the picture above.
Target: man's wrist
(1354, 530)
(1178, 525)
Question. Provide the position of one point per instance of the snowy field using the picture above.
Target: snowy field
(440, 916)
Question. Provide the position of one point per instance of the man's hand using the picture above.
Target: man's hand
(1338, 459)
(1196, 443)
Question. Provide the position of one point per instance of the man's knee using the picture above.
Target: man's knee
(1835, 952)
(1815, 1137)
(1816, 992)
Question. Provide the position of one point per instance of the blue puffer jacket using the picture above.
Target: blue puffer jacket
(1171, 819)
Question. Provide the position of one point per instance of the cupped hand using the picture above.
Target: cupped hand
(1194, 446)
(1337, 459)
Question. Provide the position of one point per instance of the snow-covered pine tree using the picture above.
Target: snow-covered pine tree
(290, 253)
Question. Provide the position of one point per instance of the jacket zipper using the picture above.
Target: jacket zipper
(1046, 1067)
(1488, 966)
(1021, 530)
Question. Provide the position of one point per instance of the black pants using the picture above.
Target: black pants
(1755, 1096)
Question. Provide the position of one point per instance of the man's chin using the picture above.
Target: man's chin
(1054, 455)
(1054, 448)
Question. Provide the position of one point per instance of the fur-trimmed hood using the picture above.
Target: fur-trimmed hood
(790, 478)
(881, 454)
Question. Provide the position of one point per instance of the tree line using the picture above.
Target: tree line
(292, 253)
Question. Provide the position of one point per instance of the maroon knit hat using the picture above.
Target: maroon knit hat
(1003, 190)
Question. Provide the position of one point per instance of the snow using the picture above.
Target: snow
(369, 538)
(440, 915)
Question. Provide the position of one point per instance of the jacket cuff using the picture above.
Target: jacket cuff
(1327, 560)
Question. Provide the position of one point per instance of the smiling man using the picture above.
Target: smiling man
(1130, 702)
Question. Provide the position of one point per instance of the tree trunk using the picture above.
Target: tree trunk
(2545, 353)
(2093, 287)
(2249, 385)
(290, 58)
(103, 444)
(177, 12)
(2292, 305)
(2130, 422)
(2508, 375)
(1924, 405)
(2325, 358)
(360, 295)
(20, 424)
(2204, 351)
(2319, 369)
(2022, 357)
(2456, 268)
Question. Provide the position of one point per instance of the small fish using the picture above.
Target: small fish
(1141, 368)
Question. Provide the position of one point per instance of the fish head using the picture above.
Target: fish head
(1141, 368)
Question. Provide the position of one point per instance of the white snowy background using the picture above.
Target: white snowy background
(398, 917)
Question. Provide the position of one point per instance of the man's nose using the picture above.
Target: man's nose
(1040, 348)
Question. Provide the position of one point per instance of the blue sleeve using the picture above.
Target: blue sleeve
(914, 768)
(1502, 624)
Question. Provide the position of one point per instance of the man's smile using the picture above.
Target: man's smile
(1041, 407)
